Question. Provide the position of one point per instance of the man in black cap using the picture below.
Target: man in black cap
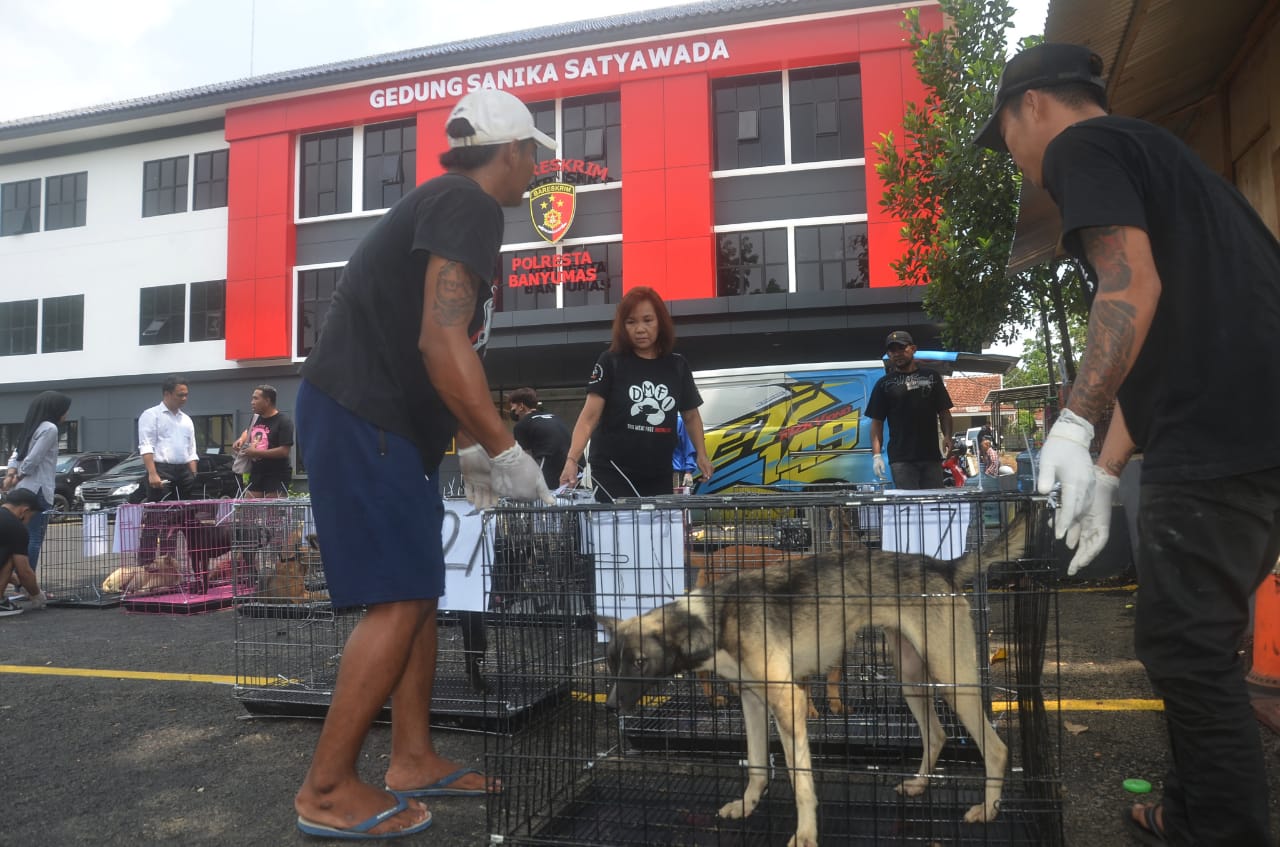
(915, 402)
(1178, 265)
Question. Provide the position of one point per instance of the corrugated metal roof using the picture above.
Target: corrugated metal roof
(670, 19)
(1162, 57)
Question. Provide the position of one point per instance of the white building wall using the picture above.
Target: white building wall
(110, 259)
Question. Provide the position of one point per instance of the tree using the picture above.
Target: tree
(1033, 366)
(959, 203)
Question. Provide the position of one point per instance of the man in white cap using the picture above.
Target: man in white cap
(394, 377)
(1183, 274)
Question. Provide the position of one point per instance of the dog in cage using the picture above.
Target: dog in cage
(286, 579)
(768, 629)
(160, 575)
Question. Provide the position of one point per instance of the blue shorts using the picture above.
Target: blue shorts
(378, 517)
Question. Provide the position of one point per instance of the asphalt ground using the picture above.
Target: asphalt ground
(124, 729)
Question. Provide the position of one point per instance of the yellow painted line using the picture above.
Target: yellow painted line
(1119, 705)
(1097, 589)
(1076, 705)
(106, 673)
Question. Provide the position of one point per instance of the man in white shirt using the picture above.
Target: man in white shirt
(167, 443)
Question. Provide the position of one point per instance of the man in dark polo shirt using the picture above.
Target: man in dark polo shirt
(542, 435)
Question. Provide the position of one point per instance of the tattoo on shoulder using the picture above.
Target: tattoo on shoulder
(455, 295)
(1106, 248)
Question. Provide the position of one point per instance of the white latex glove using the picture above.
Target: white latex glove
(1094, 526)
(877, 466)
(516, 475)
(1065, 459)
(477, 476)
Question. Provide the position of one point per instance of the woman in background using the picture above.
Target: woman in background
(33, 461)
(636, 390)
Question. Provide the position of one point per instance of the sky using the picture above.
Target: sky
(61, 55)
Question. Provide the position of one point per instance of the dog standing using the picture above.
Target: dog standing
(768, 629)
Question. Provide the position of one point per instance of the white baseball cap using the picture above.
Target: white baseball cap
(497, 118)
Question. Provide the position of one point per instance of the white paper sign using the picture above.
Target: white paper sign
(639, 559)
(128, 527)
(465, 536)
(93, 528)
(936, 528)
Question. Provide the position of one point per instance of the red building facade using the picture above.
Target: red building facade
(668, 193)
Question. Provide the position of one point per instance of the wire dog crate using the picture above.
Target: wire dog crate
(659, 771)
(79, 553)
(182, 560)
(289, 640)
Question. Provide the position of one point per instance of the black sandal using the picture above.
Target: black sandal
(1152, 833)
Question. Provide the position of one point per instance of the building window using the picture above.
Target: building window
(315, 291)
(18, 327)
(592, 130)
(63, 324)
(752, 262)
(210, 180)
(214, 433)
(161, 314)
(20, 207)
(164, 186)
(831, 257)
(606, 288)
(65, 198)
(390, 163)
(326, 173)
(748, 121)
(544, 118)
(208, 310)
(826, 113)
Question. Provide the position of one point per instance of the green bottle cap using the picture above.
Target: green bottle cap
(1137, 786)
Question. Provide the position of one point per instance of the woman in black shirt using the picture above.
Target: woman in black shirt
(636, 390)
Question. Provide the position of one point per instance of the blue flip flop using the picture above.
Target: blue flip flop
(440, 788)
(360, 832)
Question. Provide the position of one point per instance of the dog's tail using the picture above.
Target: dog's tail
(1010, 545)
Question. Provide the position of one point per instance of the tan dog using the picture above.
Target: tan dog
(134, 579)
(767, 629)
(285, 581)
(729, 562)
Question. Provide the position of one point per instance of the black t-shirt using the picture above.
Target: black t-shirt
(366, 357)
(637, 429)
(910, 403)
(266, 434)
(546, 438)
(13, 536)
(1204, 394)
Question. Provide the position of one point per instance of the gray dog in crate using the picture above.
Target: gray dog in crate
(769, 629)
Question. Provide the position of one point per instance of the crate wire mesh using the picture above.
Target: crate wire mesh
(289, 640)
(580, 774)
(77, 557)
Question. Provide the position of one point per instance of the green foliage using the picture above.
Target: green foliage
(1033, 366)
(959, 203)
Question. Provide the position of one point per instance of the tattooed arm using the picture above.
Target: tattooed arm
(1128, 289)
(451, 362)
(1118, 446)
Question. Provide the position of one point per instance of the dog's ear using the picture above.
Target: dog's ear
(610, 624)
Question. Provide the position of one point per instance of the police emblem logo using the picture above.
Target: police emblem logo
(551, 206)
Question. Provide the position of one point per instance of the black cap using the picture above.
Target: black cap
(899, 337)
(1043, 66)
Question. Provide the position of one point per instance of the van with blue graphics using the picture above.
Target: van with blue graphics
(802, 427)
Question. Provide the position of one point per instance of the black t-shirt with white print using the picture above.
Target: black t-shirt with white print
(910, 402)
(366, 357)
(637, 429)
(1203, 397)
